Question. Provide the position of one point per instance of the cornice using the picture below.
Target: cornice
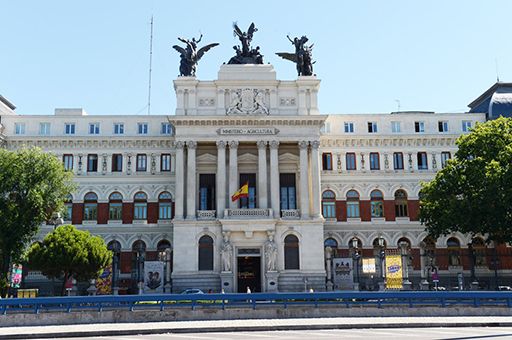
(379, 141)
(87, 142)
(315, 120)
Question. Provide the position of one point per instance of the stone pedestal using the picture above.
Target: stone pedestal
(356, 286)
(227, 282)
(407, 285)
(424, 285)
(115, 291)
(329, 286)
(271, 285)
(382, 286)
(92, 288)
(474, 285)
(167, 288)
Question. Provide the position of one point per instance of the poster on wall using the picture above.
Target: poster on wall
(16, 275)
(153, 277)
(394, 277)
(104, 282)
(343, 273)
(369, 265)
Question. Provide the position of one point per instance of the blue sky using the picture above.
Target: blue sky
(430, 55)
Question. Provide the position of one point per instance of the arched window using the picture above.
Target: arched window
(115, 206)
(90, 206)
(329, 204)
(453, 251)
(479, 250)
(164, 206)
(291, 252)
(330, 242)
(205, 253)
(352, 204)
(401, 204)
(140, 206)
(377, 203)
(68, 205)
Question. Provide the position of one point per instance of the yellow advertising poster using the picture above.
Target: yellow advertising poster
(394, 272)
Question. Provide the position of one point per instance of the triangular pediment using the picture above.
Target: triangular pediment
(247, 158)
(206, 158)
(288, 158)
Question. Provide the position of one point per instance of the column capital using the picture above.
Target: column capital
(274, 144)
(315, 144)
(191, 144)
(303, 144)
(262, 144)
(233, 144)
(221, 144)
(179, 144)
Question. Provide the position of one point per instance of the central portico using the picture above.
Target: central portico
(248, 127)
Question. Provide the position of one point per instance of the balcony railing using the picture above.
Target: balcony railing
(248, 213)
(290, 214)
(206, 214)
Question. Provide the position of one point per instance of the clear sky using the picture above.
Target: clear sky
(430, 55)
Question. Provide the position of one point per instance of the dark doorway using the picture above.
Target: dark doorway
(249, 273)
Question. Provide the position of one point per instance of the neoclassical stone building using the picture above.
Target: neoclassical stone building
(320, 186)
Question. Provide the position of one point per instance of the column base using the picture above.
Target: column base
(227, 282)
(424, 285)
(115, 290)
(407, 285)
(382, 286)
(474, 285)
(356, 286)
(329, 286)
(271, 282)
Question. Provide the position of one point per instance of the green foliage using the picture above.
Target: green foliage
(473, 193)
(67, 252)
(33, 185)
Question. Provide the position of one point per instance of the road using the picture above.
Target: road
(470, 333)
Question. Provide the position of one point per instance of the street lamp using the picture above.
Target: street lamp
(140, 267)
(56, 221)
(116, 249)
(382, 255)
(407, 285)
(495, 265)
(165, 257)
(356, 257)
(472, 256)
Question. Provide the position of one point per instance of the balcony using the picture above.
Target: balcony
(290, 214)
(206, 214)
(248, 213)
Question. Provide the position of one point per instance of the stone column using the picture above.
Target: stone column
(274, 178)
(304, 189)
(191, 180)
(262, 175)
(233, 172)
(180, 178)
(221, 178)
(315, 177)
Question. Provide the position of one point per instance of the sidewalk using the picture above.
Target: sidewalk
(91, 330)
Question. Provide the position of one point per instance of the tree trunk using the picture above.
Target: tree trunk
(63, 290)
(4, 272)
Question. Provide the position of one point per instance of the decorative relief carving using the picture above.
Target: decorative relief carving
(221, 144)
(191, 144)
(207, 102)
(262, 144)
(303, 144)
(233, 144)
(248, 101)
(274, 144)
(285, 101)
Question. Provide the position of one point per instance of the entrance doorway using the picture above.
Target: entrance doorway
(249, 273)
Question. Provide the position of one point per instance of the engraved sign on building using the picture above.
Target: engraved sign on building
(248, 131)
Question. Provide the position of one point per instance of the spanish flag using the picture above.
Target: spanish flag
(242, 192)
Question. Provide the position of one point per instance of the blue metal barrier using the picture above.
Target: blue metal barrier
(345, 299)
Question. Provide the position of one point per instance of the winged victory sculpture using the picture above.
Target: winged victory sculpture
(246, 54)
(302, 56)
(190, 55)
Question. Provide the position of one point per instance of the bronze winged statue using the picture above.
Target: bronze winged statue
(246, 54)
(302, 56)
(190, 55)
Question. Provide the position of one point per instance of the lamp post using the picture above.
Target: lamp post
(140, 267)
(382, 256)
(472, 256)
(116, 249)
(56, 221)
(407, 285)
(356, 257)
(165, 256)
(495, 263)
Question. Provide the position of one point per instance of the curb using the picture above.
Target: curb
(263, 328)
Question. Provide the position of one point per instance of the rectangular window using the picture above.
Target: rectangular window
(398, 160)
(118, 128)
(68, 162)
(445, 156)
(206, 191)
(349, 127)
(165, 162)
(326, 161)
(44, 129)
(68, 213)
(69, 128)
(141, 162)
(326, 128)
(90, 211)
(94, 128)
(117, 162)
(166, 129)
(142, 128)
(248, 202)
(372, 127)
(164, 210)
(374, 161)
(443, 126)
(419, 127)
(287, 191)
(115, 211)
(92, 163)
(422, 161)
(466, 125)
(19, 128)
(353, 209)
(351, 161)
(140, 211)
(395, 127)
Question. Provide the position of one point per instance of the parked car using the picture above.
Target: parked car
(504, 288)
(192, 291)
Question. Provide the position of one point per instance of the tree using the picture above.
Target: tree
(473, 193)
(33, 185)
(68, 252)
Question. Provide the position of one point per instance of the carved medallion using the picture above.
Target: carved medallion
(247, 102)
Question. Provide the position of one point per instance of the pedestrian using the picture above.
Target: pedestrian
(248, 290)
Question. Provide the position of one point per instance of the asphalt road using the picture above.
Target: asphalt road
(470, 333)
